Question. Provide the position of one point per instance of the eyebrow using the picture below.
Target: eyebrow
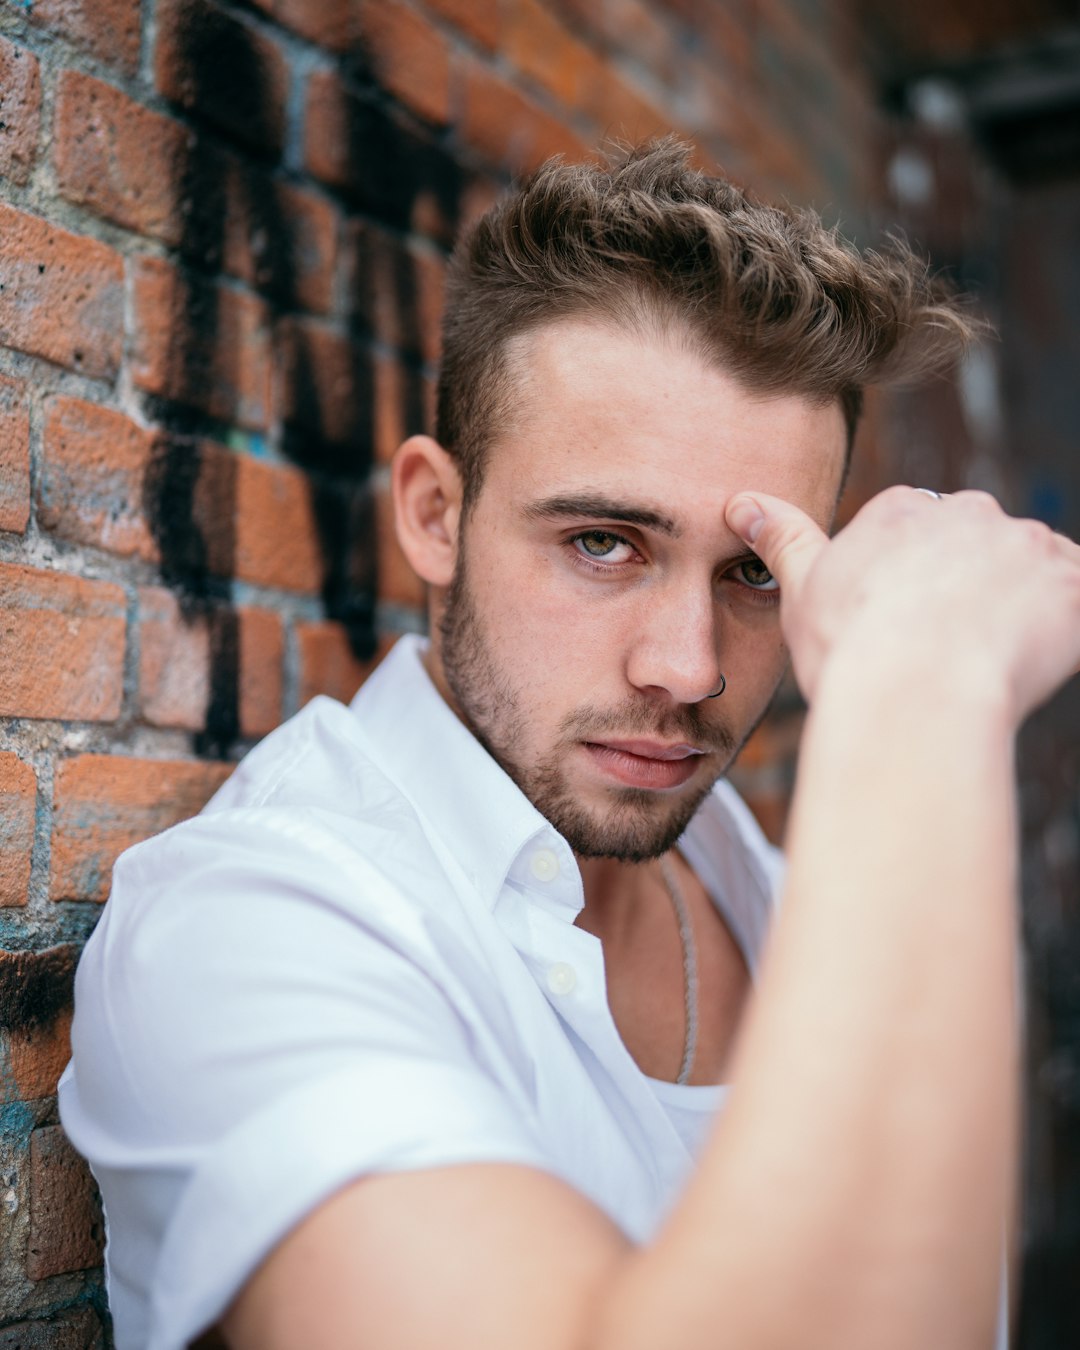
(592, 505)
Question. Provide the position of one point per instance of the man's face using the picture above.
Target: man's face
(599, 595)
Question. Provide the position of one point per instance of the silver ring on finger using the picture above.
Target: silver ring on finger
(929, 492)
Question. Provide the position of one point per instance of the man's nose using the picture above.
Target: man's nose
(676, 646)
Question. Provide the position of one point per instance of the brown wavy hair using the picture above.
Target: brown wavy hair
(766, 292)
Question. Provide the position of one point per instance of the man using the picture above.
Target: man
(416, 1036)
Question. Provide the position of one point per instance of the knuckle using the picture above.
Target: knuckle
(889, 504)
(895, 496)
(1037, 536)
(979, 500)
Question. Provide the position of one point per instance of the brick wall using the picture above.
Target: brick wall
(222, 238)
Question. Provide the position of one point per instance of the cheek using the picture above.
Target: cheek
(756, 656)
(554, 605)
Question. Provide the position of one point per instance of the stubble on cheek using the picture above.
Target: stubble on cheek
(632, 824)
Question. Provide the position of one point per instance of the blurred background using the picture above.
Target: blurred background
(223, 229)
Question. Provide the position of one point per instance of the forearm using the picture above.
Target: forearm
(855, 1192)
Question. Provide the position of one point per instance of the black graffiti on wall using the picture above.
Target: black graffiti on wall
(231, 169)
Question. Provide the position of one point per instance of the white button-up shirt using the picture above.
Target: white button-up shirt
(361, 957)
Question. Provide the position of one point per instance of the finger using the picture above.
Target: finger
(785, 539)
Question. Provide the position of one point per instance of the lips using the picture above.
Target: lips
(643, 763)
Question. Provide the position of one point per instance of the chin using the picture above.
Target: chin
(640, 826)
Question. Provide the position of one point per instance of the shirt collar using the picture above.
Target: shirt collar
(495, 834)
(465, 798)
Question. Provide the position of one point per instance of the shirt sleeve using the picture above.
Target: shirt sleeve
(260, 1019)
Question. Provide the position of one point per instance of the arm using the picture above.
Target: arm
(855, 1192)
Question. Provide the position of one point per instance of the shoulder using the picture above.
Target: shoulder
(307, 817)
(279, 998)
(307, 893)
(249, 952)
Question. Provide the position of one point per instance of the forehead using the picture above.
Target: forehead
(645, 417)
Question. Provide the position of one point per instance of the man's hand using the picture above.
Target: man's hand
(934, 585)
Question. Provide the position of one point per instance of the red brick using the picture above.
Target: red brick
(377, 274)
(327, 150)
(108, 28)
(174, 661)
(67, 1231)
(727, 36)
(257, 520)
(279, 238)
(477, 19)
(329, 23)
(429, 281)
(261, 661)
(203, 345)
(325, 389)
(389, 425)
(407, 57)
(277, 536)
(398, 411)
(248, 518)
(775, 164)
(328, 664)
(223, 69)
(176, 655)
(92, 482)
(503, 126)
(69, 637)
(18, 804)
(719, 119)
(633, 26)
(436, 202)
(584, 16)
(480, 194)
(20, 111)
(149, 173)
(63, 295)
(398, 583)
(541, 48)
(817, 75)
(102, 804)
(398, 290)
(37, 1054)
(14, 456)
(429, 396)
(624, 112)
(391, 172)
(122, 160)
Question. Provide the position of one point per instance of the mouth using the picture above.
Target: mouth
(644, 763)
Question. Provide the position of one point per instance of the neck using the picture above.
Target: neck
(616, 897)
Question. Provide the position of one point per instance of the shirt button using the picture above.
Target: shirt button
(544, 865)
(561, 978)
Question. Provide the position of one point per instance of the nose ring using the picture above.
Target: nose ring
(723, 686)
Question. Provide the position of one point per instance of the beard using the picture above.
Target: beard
(636, 824)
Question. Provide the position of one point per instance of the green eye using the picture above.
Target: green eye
(754, 572)
(598, 544)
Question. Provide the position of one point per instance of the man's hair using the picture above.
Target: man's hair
(651, 245)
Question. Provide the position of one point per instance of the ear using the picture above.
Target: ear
(427, 491)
